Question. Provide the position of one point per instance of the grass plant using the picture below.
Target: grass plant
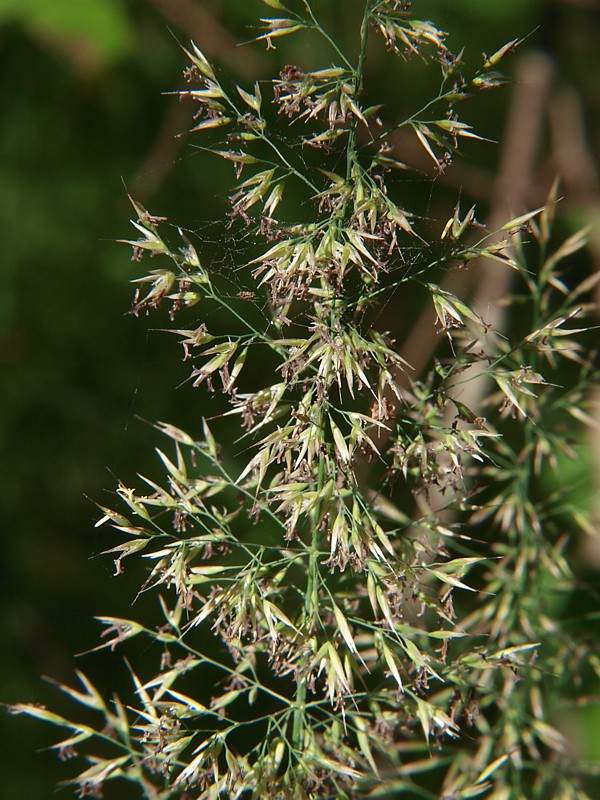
(356, 573)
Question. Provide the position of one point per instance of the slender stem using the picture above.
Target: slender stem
(364, 36)
(261, 135)
(351, 149)
(261, 337)
(224, 303)
(229, 670)
(407, 120)
(287, 164)
(325, 35)
(311, 598)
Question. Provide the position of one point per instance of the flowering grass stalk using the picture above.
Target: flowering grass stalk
(368, 592)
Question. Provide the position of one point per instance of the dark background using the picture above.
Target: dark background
(85, 116)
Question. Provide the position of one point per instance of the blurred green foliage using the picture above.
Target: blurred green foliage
(104, 28)
(84, 112)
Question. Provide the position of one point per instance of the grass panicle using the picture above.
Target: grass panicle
(366, 567)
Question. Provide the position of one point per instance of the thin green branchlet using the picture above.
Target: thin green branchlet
(366, 563)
